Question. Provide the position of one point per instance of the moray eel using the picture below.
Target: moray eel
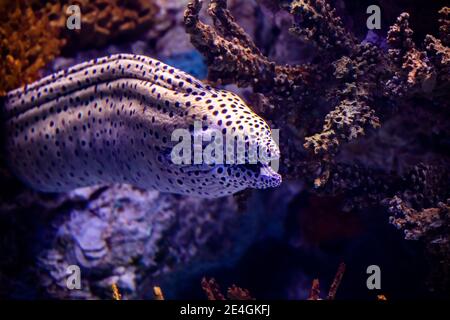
(110, 120)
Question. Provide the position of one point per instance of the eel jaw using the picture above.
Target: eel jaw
(264, 176)
(268, 178)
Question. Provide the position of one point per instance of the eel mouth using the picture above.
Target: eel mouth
(265, 175)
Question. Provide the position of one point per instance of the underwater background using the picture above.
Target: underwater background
(364, 139)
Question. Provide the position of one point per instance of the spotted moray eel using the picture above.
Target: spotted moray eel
(110, 120)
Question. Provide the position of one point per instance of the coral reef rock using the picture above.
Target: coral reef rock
(115, 234)
(359, 119)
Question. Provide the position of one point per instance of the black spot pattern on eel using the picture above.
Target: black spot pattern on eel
(110, 120)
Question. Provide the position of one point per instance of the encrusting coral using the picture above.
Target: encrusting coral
(356, 87)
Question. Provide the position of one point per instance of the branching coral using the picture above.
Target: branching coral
(415, 73)
(223, 44)
(233, 57)
(432, 223)
(423, 72)
(352, 79)
(444, 28)
(212, 290)
(317, 22)
(353, 86)
(314, 293)
(33, 34)
(102, 21)
(236, 293)
(27, 43)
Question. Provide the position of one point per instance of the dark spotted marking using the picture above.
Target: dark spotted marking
(110, 120)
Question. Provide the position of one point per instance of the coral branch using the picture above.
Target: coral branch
(317, 22)
(439, 56)
(314, 294)
(103, 21)
(355, 86)
(157, 292)
(236, 293)
(28, 43)
(115, 292)
(444, 28)
(336, 281)
(415, 74)
(433, 223)
(232, 57)
(212, 289)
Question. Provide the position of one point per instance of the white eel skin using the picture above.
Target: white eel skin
(110, 120)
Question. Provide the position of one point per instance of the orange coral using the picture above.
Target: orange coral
(314, 294)
(27, 44)
(236, 293)
(336, 281)
(212, 290)
(115, 292)
(157, 292)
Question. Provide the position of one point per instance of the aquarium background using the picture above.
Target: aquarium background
(364, 139)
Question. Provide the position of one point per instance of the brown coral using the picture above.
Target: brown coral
(353, 86)
(432, 223)
(28, 43)
(233, 57)
(227, 41)
(415, 73)
(236, 293)
(439, 55)
(314, 293)
(102, 21)
(212, 290)
(317, 22)
(444, 28)
(327, 106)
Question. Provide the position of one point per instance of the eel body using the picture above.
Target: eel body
(110, 120)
